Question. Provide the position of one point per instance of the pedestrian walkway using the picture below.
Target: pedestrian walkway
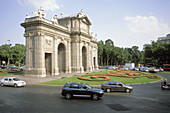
(35, 80)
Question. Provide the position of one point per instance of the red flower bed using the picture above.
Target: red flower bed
(93, 78)
(118, 73)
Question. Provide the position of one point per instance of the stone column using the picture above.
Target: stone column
(56, 57)
(75, 55)
(69, 55)
(27, 54)
(80, 53)
(39, 55)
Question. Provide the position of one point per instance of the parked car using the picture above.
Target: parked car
(71, 89)
(124, 68)
(22, 67)
(4, 67)
(115, 86)
(12, 67)
(115, 67)
(145, 69)
(153, 70)
(136, 69)
(12, 81)
(109, 67)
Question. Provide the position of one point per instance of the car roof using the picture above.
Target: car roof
(75, 83)
(10, 77)
(114, 81)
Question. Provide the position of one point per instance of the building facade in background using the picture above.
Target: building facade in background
(165, 39)
(59, 45)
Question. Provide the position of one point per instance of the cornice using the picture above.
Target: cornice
(45, 24)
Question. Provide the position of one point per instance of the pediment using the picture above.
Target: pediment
(86, 20)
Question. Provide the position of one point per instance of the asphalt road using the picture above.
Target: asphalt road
(148, 98)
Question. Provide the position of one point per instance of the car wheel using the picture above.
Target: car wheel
(95, 96)
(127, 90)
(15, 85)
(2, 84)
(68, 96)
(107, 90)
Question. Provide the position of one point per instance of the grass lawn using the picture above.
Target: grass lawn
(124, 80)
(4, 74)
(166, 72)
(11, 73)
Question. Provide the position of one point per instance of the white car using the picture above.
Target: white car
(12, 81)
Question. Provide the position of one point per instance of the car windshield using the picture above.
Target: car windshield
(88, 86)
(16, 79)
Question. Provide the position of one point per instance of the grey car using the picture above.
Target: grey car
(115, 86)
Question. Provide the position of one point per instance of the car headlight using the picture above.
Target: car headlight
(101, 91)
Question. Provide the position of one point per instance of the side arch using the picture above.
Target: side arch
(62, 58)
(84, 58)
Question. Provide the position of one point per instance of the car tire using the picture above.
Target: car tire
(68, 96)
(15, 85)
(2, 84)
(108, 90)
(127, 90)
(95, 96)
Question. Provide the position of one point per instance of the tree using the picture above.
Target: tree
(100, 52)
(108, 49)
(6, 52)
(18, 53)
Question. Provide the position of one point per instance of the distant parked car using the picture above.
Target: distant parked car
(160, 69)
(145, 69)
(124, 68)
(3, 67)
(22, 67)
(136, 69)
(12, 81)
(115, 86)
(71, 89)
(153, 70)
(12, 67)
(109, 67)
(115, 67)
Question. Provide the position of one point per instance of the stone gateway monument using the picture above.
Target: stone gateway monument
(59, 45)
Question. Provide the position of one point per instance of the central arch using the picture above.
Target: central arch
(61, 58)
(84, 58)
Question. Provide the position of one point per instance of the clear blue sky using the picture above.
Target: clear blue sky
(127, 22)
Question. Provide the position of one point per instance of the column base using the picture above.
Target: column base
(35, 72)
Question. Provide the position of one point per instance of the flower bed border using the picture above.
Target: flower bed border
(122, 73)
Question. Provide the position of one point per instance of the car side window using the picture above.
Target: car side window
(6, 79)
(67, 86)
(82, 86)
(75, 86)
(112, 83)
(10, 79)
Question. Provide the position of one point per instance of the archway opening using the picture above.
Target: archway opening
(48, 63)
(61, 58)
(84, 58)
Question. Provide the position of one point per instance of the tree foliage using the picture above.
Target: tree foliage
(112, 55)
(12, 54)
(157, 53)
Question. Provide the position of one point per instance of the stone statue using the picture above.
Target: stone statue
(27, 15)
(35, 13)
(54, 19)
(81, 14)
(62, 15)
(40, 13)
